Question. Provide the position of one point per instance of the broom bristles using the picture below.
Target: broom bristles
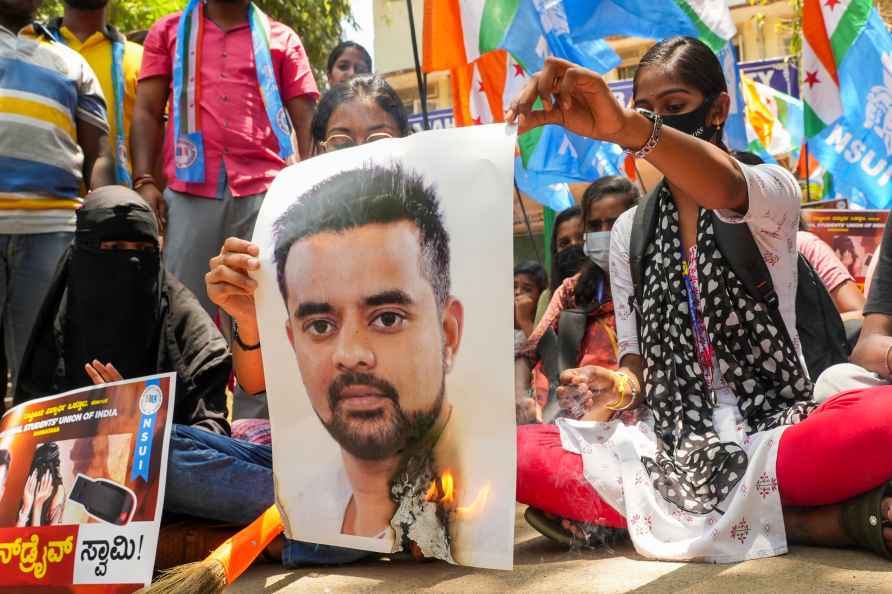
(202, 577)
(225, 564)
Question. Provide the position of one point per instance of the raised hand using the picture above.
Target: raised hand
(102, 373)
(28, 496)
(573, 97)
(229, 284)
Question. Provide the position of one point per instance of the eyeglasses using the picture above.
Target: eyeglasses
(336, 142)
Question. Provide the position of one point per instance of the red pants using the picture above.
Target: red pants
(841, 450)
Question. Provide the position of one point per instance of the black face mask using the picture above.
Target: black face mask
(112, 311)
(569, 261)
(694, 122)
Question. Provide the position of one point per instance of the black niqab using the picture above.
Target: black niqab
(113, 298)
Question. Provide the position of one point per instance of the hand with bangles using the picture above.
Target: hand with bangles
(593, 393)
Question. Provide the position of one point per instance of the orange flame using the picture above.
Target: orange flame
(442, 492)
(478, 503)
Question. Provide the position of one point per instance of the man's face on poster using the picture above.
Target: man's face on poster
(371, 342)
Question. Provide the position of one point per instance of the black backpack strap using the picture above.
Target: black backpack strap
(642, 234)
(738, 247)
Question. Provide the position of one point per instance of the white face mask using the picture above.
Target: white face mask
(597, 248)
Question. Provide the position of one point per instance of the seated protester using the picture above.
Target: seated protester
(345, 61)
(721, 465)
(847, 297)
(236, 475)
(529, 282)
(109, 279)
(587, 291)
(567, 254)
(871, 360)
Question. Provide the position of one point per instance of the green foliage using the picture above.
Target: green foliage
(126, 15)
(318, 23)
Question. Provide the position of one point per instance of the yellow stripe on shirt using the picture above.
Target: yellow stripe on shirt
(16, 202)
(38, 111)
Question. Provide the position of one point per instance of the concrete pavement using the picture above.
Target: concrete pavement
(542, 567)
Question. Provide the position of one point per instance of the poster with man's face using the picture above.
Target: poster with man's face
(384, 304)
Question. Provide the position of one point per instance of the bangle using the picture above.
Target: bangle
(144, 180)
(888, 369)
(623, 382)
(655, 134)
(238, 339)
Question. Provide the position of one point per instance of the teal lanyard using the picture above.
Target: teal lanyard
(122, 160)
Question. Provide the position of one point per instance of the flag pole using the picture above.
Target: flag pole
(422, 83)
(526, 220)
(807, 176)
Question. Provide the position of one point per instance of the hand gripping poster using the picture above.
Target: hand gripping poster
(387, 345)
(82, 487)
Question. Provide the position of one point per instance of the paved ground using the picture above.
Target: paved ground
(541, 567)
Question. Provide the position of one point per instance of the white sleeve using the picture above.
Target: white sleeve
(774, 198)
(621, 286)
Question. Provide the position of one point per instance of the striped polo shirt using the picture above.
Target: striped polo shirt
(45, 90)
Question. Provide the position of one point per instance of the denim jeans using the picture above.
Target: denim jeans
(28, 263)
(219, 478)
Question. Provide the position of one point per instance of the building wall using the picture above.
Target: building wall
(393, 48)
(393, 55)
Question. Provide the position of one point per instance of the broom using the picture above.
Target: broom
(225, 564)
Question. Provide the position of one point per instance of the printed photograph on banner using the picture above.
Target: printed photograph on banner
(386, 348)
(82, 485)
(853, 235)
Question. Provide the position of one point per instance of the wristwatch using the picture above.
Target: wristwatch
(655, 134)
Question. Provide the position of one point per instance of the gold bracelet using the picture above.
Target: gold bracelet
(620, 380)
(623, 385)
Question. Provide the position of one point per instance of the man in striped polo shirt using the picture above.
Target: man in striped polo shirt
(53, 139)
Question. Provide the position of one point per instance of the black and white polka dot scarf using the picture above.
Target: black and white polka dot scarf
(693, 468)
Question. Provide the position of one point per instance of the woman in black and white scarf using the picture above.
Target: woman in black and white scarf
(732, 457)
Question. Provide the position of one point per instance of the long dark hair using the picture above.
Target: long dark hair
(364, 86)
(340, 49)
(689, 61)
(592, 276)
(563, 216)
(609, 185)
(46, 460)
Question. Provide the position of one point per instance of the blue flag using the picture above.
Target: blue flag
(561, 157)
(596, 19)
(857, 148)
(541, 29)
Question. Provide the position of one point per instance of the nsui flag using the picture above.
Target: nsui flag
(856, 147)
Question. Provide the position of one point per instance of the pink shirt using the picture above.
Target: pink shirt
(236, 129)
(831, 271)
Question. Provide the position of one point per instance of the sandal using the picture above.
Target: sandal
(548, 527)
(551, 528)
(862, 520)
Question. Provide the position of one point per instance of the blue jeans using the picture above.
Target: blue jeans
(27, 265)
(227, 480)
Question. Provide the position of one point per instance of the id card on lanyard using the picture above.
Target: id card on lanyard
(701, 338)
